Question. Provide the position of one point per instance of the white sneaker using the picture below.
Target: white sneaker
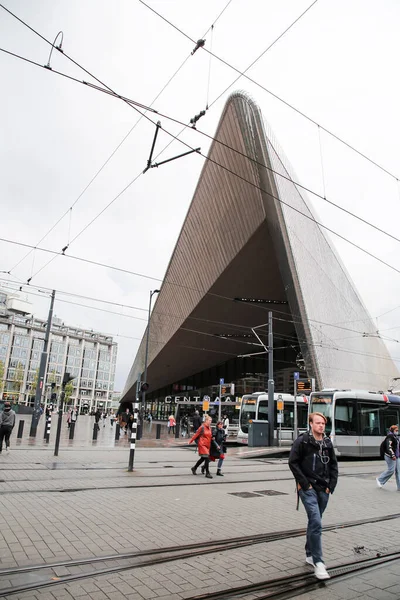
(378, 483)
(309, 561)
(7, 449)
(321, 572)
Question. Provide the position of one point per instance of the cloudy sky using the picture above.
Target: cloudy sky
(338, 65)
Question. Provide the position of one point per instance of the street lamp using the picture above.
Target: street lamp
(144, 386)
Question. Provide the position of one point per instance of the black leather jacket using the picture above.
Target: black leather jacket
(314, 463)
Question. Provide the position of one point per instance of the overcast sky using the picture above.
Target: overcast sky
(338, 64)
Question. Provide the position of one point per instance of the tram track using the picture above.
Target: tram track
(50, 572)
(291, 586)
(200, 481)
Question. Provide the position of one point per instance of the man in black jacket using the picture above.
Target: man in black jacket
(314, 465)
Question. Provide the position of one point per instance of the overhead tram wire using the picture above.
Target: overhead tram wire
(255, 186)
(137, 105)
(133, 104)
(263, 52)
(283, 337)
(115, 149)
(113, 93)
(285, 102)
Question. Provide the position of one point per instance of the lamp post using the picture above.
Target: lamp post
(147, 348)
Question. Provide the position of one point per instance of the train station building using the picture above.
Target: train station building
(251, 243)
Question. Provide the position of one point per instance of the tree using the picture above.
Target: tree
(69, 388)
(1, 376)
(19, 377)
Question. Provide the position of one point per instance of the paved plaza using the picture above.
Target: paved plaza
(84, 504)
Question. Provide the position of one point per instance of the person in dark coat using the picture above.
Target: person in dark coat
(313, 463)
(7, 422)
(218, 446)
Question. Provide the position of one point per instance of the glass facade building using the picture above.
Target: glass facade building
(89, 356)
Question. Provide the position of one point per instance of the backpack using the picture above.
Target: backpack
(382, 449)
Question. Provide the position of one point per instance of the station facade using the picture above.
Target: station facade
(251, 244)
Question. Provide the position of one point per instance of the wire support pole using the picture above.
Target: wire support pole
(271, 384)
(147, 348)
(42, 371)
(158, 126)
(133, 435)
(59, 423)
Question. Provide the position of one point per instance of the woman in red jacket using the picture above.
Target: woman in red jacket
(204, 436)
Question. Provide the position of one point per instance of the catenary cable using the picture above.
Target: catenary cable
(115, 150)
(135, 106)
(298, 111)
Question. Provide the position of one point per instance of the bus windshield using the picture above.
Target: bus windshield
(323, 403)
(248, 413)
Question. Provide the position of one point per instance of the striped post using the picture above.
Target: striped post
(133, 435)
(48, 427)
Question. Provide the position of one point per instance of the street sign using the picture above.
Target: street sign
(221, 381)
(206, 405)
(206, 398)
(279, 418)
(296, 375)
(280, 406)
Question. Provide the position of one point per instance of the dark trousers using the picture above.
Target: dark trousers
(206, 461)
(5, 432)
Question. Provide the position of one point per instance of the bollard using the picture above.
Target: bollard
(20, 429)
(139, 431)
(158, 431)
(45, 429)
(117, 431)
(177, 431)
(95, 431)
(48, 429)
(72, 430)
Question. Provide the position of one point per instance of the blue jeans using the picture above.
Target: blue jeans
(315, 503)
(393, 466)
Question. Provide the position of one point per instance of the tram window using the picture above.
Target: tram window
(345, 417)
(390, 417)
(371, 423)
(302, 416)
(262, 414)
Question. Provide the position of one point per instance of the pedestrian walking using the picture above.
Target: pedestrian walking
(390, 451)
(112, 418)
(204, 437)
(197, 422)
(125, 420)
(7, 422)
(218, 447)
(104, 418)
(69, 417)
(226, 425)
(171, 424)
(184, 426)
(313, 463)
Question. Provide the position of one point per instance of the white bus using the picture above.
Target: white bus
(357, 421)
(255, 407)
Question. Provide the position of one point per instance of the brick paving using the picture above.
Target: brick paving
(161, 504)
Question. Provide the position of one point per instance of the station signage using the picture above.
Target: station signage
(199, 399)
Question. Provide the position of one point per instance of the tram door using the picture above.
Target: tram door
(371, 427)
(348, 440)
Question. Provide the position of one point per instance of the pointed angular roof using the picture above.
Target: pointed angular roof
(251, 233)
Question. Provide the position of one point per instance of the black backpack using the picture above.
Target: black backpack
(382, 449)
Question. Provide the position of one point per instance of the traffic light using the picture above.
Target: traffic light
(66, 379)
(144, 387)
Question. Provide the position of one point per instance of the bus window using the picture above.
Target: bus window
(370, 419)
(323, 403)
(247, 414)
(346, 417)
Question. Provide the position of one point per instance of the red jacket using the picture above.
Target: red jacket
(205, 436)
